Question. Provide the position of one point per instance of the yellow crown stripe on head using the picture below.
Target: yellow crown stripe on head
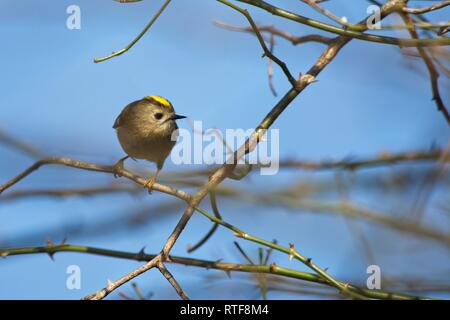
(160, 100)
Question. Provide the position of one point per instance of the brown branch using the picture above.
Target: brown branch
(295, 40)
(270, 66)
(426, 9)
(428, 184)
(20, 145)
(383, 159)
(93, 167)
(434, 75)
(127, 1)
(284, 197)
(332, 16)
(266, 50)
(111, 286)
(351, 210)
(342, 21)
(69, 192)
(162, 268)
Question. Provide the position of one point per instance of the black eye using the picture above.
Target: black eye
(158, 116)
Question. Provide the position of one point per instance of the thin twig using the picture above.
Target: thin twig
(270, 66)
(20, 145)
(384, 158)
(295, 40)
(426, 9)
(69, 192)
(434, 75)
(266, 50)
(243, 253)
(141, 34)
(215, 208)
(332, 16)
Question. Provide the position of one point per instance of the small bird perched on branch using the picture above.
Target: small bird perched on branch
(146, 130)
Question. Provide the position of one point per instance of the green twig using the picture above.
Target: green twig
(290, 251)
(225, 266)
(403, 42)
(132, 43)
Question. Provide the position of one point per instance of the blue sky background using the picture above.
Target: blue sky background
(368, 100)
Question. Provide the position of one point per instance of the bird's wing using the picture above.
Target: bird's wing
(118, 121)
(122, 116)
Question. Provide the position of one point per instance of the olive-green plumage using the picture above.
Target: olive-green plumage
(147, 130)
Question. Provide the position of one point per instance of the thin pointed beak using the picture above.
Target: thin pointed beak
(176, 117)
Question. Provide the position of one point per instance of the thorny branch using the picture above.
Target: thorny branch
(227, 170)
(283, 197)
(159, 259)
(434, 75)
(206, 264)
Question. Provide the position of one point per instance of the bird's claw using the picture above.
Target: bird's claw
(149, 184)
(118, 168)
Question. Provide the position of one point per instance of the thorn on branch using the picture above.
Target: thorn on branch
(272, 267)
(443, 30)
(291, 251)
(240, 234)
(109, 285)
(345, 286)
(49, 252)
(141, 254)
(304, 80)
